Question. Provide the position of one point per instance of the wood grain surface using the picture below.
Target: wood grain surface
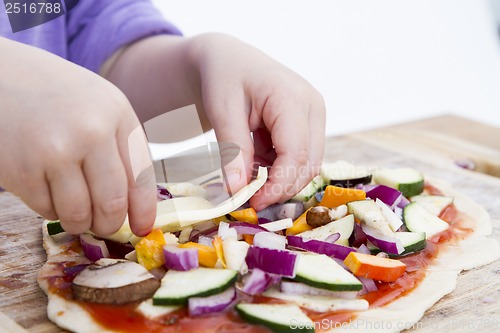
(473, 307)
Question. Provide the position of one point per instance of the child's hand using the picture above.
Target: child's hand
(245, 91)
(241, 91)
(64, 150)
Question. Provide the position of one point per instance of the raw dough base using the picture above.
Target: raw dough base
(441, 279)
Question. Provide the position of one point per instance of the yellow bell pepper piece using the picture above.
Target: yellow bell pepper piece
(149, 250)
(207, 255)
(299, 225)
(220, 219)
(246, 215)
(248, 238)
(217, 243)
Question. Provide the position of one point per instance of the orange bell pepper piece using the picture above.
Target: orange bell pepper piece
(373, 267)
(149, 250)
(207, 255)
(336, 196)
(299, 225)
(248, 239)
(246, 215)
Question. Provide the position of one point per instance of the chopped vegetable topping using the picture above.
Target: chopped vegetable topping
(246, 215)
(206, 254)
(150, 250)
(335, 196)
(373, 267)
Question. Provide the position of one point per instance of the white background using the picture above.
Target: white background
(375, 62)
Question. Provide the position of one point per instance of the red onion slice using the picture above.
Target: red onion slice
(368, 285)
(403, 203)
(272, 261)
(257, 281)
(365, 187)
(269, 240)
(364, 249)
(332, 238)
(245, 228)
(387, 244)
(321, 247)
(226, 232)
(93, 249)
(72, 271)
(205, 305)
(180, 259)
(210, 232)
(163, 193)
(359, 237)
(391, 197)
(263, 220)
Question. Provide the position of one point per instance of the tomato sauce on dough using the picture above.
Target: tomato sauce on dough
(125, 318)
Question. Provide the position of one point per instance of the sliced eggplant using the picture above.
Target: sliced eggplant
(344, 174)
(112, 281)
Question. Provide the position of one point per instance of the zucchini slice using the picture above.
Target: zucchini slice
(419, 219)
(343, 226)
(323, 272)
(435, 204)
(407, 180)
(344, 174)
(317, 184)
(54, 227)
(320, 303)
(282, 318)
(177, 287)
(411, 241)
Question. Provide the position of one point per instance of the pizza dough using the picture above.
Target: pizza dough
(441, 278)
(475, 251)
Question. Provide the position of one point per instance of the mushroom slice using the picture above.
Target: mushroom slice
(112, 281)
(318, 216)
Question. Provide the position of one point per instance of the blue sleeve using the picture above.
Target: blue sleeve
(98, 28)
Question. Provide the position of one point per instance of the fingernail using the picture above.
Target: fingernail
(233, 178)
(142, 229)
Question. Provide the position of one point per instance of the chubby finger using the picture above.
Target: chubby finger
(291, 170)
(107, 182)
(317, 121)
(230, 122)
(35, 193)
(140, 178)
(71, 199)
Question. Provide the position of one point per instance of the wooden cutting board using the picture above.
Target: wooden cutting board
(431, 146)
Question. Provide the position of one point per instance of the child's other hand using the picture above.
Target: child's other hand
(244, 91)
(65, 149)
(241, 91)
